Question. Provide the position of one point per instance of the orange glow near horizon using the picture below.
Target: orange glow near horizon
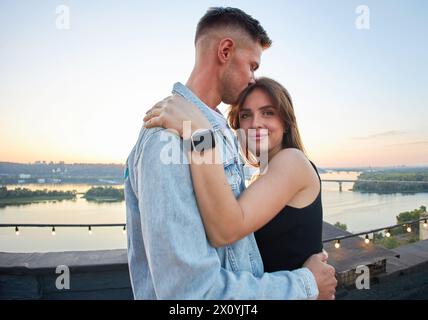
(331, 156)
(80, 95)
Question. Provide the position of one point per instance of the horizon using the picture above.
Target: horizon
(76, 84)
(39, 162)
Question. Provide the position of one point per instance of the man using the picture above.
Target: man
(169, 255)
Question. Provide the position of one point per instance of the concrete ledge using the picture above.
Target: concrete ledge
(77, 260)
(405, 278)
(93, 275)
(105, 275)
(409, 284)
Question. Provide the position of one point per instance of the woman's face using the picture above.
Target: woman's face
(260, 121)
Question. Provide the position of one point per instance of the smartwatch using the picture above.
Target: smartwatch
(202, 139)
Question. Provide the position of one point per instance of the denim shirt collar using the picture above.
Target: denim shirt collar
(187, 94)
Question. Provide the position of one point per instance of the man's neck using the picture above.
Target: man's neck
(203, 86)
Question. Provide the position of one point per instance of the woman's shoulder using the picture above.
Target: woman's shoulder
(291, 160)
(290, 155)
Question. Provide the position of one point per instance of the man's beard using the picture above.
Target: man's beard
(229, 99)
(230, 93)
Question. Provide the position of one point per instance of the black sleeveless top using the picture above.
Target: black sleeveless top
(292, 236)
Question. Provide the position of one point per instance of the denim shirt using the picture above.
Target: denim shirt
(168, 252)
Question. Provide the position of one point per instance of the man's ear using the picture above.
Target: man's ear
(226, 48)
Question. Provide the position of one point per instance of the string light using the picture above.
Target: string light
(337, 244)
(387, 231)
(53, 227)
(367, 239)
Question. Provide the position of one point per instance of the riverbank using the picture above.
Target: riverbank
(30, 200)
(393, 181)
(19, 196)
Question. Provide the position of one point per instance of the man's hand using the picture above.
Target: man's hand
(324, 275)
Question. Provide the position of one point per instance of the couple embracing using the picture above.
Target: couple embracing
(195, 230)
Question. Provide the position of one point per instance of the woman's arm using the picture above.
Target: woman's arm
(227, 219)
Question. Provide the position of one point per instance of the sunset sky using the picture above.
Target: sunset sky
(80, 94)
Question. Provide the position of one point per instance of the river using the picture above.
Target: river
(358, 211)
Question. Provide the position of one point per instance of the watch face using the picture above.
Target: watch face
(202, 140)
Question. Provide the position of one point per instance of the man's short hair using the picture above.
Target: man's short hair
(217, 17)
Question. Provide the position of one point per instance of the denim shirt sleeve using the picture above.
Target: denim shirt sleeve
(182, 263)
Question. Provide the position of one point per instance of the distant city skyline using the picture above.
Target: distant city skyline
(77, 77)
(46, 162)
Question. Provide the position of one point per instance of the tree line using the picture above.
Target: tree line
(392, 182)
(19, 193)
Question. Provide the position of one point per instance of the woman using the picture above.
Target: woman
(283, 205)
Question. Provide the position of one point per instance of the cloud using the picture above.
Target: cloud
(384, 134)
(414, 143)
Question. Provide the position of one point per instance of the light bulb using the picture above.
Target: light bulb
(409, 229)
(17, 231)
(90, 230)
(367, 240)
(425, 223)
(337, 244)
(53, 231)
(124, 229)
(388, 233)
